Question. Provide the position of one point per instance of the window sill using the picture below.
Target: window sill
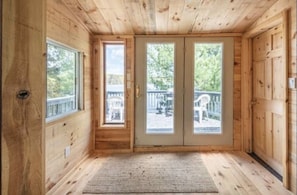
(113, 126)
(63, 118)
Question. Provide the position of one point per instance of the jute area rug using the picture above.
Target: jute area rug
(152, 173)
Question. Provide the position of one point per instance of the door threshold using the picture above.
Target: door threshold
(179, 148)
(266, 166)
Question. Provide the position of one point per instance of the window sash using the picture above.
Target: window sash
(113, 115)
(65, 105)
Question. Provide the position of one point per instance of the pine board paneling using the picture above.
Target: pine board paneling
(74, 130)
(23, 68)
(114, 17)
(237, 94)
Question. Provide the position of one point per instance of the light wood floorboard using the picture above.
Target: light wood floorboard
(232, 172)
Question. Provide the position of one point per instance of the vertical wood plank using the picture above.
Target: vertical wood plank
(23, 68)
(285, 133)
(162, 15)
(246, 83)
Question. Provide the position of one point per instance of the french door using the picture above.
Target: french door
(184, 91)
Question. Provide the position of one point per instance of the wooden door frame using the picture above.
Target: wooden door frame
(1, 88)
(246, 73)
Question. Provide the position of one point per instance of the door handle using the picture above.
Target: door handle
(137, 90)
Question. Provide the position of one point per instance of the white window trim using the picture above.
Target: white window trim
(78, 81)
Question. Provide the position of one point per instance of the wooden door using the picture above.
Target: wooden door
(269, 97)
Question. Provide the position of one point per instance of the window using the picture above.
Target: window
(114, 83)
(63, 81)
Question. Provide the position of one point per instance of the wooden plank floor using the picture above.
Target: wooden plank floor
(232, 172)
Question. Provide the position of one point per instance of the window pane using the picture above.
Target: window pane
(114, 83)
(160, 88)
(61, 84)
(207, 88)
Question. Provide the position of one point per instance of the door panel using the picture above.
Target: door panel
(278, 83)
(155, 123)
(259, 75)
(216, 126)
(259, 134)
(269, 83)
(159, 88)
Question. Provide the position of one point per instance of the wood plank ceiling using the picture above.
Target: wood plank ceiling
(141, 17)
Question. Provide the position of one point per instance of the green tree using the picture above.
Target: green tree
(208, 67)
(60, 71)
(160, 65)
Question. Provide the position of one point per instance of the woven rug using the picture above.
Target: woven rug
(152, 173)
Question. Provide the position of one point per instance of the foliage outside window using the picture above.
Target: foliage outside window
(208, 73)
(62, 80)
(160, 66)
(208, 67)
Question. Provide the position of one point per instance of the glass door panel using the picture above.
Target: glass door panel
(207, 84)
(160, 88)
(208, 105)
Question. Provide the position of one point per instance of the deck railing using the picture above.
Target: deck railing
(156, 102)
(57, 106)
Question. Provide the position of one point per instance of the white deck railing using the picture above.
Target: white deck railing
(156, 102)
(57, 106)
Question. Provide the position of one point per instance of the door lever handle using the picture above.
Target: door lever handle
(137, 90)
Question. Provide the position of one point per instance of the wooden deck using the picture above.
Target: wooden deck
(232, 172)
(162, 122)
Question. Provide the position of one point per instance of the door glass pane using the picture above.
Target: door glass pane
(114, 83)
(160, 88)
(207, 88)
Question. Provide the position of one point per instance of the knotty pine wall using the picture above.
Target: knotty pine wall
(277, 8)
(74, 130)
(117, 139)
(23, 68)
